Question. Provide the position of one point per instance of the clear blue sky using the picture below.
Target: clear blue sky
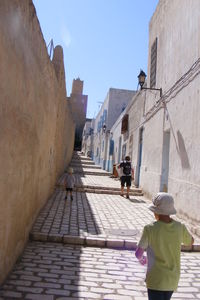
(105, 42)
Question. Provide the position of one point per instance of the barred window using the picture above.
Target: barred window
(153, 64)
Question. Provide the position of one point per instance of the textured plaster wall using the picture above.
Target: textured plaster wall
(176, 25)
(118, 101)
(184, 179)
(36, 129)
(115, 102)
(135, 110)
(150, 171)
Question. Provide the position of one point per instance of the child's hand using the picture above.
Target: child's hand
(139, 254)
(143, 260)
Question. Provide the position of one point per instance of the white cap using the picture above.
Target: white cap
(163, 204)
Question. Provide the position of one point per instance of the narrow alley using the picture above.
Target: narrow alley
(84, 249)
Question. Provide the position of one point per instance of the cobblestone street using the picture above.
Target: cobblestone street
(84, 249)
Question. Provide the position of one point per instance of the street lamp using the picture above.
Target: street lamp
(141, 80)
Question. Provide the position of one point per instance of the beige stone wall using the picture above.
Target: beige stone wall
(36, 128)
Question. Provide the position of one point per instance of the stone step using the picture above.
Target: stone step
(92, 173)
(133, 189)
(126, 243)
(108, 192)
(81, 166)
(81, 159)
(75, 162)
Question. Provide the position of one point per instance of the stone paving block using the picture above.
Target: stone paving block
(75, 240)
(118, 297)
(95, 241)
(186, 248)
(10, 294)
(128, 292)
(130, 245)
(196, 247)
(39, 297)
(30, 289)
(58, 238)
(38, 236)
(58, 292)
(86, 295)
(111, 243)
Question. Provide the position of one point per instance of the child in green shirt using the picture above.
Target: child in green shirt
(162, 239)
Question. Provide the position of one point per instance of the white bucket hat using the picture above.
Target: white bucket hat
(163, 204)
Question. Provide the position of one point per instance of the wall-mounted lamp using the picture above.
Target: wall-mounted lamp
(141, 80)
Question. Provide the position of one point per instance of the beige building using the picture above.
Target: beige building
(36, 127)
(87, 138)
(78, 104)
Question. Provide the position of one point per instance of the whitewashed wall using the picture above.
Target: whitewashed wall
(176, 24)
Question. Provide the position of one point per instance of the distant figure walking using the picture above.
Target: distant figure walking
(69, 183)
(127, 175)
(162, 239)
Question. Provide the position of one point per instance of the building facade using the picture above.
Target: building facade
(126, 135)
(87, 138)
(160, 131)
(78, 104)
(113, 105)
(37, 130)
(170, 157)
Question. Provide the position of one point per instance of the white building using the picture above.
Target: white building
(170, 159)
(113, 105)
(161, 134)
(126, 133)
(87, 137)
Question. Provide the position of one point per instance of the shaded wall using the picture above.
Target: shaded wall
(36, 128)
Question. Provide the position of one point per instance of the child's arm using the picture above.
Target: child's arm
(132, 173)
(65, 181)
(142, 246)
(139, 255)
(188, 239)
(74, 180)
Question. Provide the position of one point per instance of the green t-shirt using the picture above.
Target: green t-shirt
(163, 244)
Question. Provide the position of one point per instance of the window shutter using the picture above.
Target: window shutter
(153, 64)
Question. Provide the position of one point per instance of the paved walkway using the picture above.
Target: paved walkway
(97, 217)
(49, 271)
(93, 257)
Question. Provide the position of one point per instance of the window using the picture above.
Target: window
(123, 151)
(153, 64)
(104, 115)
(111, 149)
(124, 127)
(123, 107)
